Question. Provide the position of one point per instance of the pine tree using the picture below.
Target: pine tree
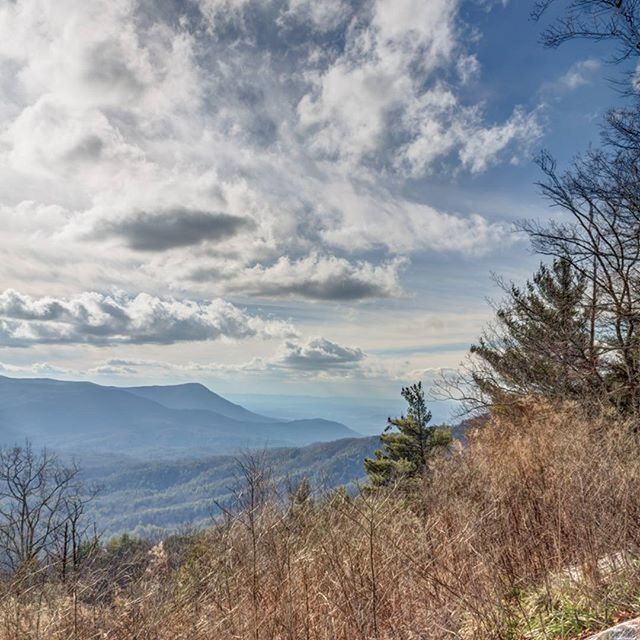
(542, 342)
(407, 451)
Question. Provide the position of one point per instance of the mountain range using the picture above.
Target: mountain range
(144, 423)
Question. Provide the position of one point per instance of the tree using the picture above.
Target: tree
(601, 241)
(600, 20)
(612, 21)
(601, 193)
(41, 509)
(407, 451)
(574, 331)
(542, 342)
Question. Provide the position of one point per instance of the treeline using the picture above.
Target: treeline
(154, 499)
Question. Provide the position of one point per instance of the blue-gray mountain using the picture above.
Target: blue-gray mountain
(167, 422)
(164, 456)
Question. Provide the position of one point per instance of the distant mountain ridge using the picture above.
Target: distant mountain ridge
(145, 423)
(193, 395)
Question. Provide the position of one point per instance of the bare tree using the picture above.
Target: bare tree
(617, 21)
(41, 508)
(252, 492)
(580, 339)
(613, 21)
(600, 239)
(574, 331)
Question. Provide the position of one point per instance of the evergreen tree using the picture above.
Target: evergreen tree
(407, 451)
(543, 341)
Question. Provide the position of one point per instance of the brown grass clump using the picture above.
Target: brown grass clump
(530, 531)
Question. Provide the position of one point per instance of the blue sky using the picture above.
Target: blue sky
(285, 196)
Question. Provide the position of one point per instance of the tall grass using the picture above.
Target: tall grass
(531, 530)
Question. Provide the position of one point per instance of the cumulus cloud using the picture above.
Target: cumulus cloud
(177, 227)
(350, 103)
(390, 93)
(99, 319)
(319, 354)
(237, 147)
(314, 277)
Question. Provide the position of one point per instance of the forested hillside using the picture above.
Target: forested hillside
(150, 499)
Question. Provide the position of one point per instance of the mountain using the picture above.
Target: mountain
(197, 396)
(144, 422)
(153, 498)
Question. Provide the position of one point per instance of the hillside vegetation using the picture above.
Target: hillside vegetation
(542, 544)
(150, 499)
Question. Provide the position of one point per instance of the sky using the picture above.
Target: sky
(297, 197)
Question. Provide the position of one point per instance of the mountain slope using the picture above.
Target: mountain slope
(155, 497)
(85, 417)
(196, 396)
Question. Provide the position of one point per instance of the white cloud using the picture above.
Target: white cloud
(391, 93)
(99, 319)
(318, 354)
(243, 149)
(325, 15)
(581, 73)
(351, 102)
(483, 147)
(408, 227)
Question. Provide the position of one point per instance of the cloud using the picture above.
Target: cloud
(318, 354)
(314, 277)
(238, 147)
(99, 319)
(349, 109)
(313, 357)
(177, 227)
(410, 227)
(581, 73)
(35, 369)
(324, 16)
(390, 93)
(482, 149)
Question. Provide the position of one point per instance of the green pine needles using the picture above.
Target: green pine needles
(406, 451)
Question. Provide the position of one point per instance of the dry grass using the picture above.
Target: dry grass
(531, 531)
